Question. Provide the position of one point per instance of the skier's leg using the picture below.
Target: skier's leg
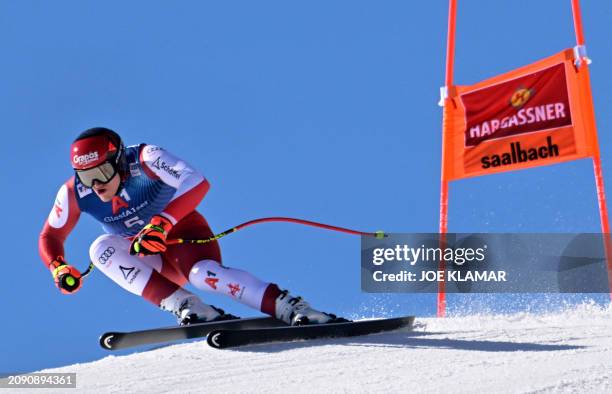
(141, 276)
(247, 289)
(201, 263)
(238, 284)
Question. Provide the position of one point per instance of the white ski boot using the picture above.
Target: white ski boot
(297, 312)
(189, 309)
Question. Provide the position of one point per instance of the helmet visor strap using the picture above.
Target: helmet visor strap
(102, 173)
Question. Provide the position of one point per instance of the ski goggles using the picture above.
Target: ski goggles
(102, 173)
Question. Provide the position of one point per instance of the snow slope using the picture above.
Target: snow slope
(568, 351)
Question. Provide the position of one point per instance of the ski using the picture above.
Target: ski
(226, 337)
(124, 340)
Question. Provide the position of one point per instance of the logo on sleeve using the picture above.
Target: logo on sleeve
(58, 209)
(162, 165)
(152, 148)
(59, 214)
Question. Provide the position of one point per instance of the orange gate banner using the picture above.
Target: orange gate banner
(536, 115)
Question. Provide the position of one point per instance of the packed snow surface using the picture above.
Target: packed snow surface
(569, 351)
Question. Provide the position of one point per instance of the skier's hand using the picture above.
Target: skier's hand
(152, 238)
(67, 278)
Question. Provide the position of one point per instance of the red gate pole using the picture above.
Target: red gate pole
(577, 22)
(448, 82)
(599, 182)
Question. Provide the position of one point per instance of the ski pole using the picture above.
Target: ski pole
(84, 274)
(88, 270)
(377, 234)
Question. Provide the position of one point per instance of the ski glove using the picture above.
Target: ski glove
(67, 278)
(152, 238)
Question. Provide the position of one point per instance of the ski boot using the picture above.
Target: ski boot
(189, 309)
(297, 312)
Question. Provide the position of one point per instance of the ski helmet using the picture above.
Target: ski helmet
(97, 154)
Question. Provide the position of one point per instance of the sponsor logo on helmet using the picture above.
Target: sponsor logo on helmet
(85, 159)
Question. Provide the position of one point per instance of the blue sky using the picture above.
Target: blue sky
(320, 110)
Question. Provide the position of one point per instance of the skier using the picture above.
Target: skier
(144, 196)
